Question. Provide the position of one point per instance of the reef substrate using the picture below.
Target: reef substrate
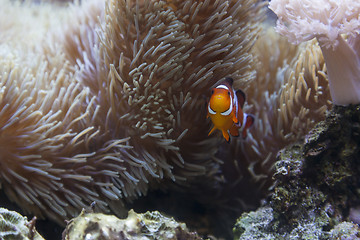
(317, 183)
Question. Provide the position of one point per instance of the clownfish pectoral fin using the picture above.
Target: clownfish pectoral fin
(226, 135)
(249, 122)
(241, 97)
(234, 131)
(211, 131)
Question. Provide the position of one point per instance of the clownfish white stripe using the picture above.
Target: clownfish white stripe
(236, 102)
(227, 112)
(223, 86)
(210, 110)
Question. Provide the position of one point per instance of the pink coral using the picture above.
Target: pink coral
(327, 20)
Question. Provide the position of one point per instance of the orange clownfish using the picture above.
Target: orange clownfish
(225, 110)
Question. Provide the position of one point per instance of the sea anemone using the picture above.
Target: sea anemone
(111, 103)
(39, 112)
(327, 20)
(288, 97)
(114, 107)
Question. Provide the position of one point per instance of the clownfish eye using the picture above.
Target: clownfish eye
(212, 92)
(228, 93)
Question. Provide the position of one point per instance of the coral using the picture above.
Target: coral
(327, 21)
(316, 184)
(251, 225)
(345, 231)
(15, 226)
(150, 225)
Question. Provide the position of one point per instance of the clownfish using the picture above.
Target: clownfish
(225, 110)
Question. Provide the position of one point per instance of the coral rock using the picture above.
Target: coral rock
(15, 226)
(150, 225)
(316, 184)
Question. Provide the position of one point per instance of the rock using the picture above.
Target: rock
(150, 225)
(317, 185)
(14, 226)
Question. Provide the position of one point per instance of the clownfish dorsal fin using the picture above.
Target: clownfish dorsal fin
(241, 97)
(229, 81)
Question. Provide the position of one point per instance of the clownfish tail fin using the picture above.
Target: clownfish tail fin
(249, 122)
(234, 131)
